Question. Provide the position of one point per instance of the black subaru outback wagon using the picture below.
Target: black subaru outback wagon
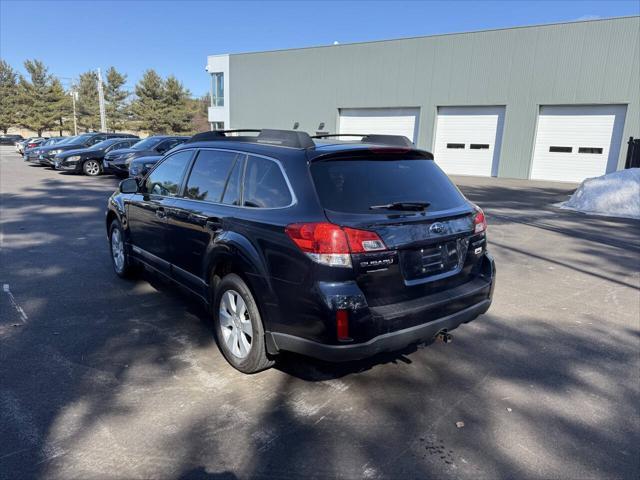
(332, 249)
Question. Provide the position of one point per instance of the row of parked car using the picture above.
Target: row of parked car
(93, 154)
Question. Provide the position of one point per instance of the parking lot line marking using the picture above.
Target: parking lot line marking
(7, 290)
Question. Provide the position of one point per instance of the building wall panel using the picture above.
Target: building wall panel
(594, 62)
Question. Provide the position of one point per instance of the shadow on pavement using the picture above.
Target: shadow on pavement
(123, 380)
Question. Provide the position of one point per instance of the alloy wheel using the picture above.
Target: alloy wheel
(92, 168)
(235, 324)
(117, 249)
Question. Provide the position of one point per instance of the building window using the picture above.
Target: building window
(596, 150)
(479, 146)
(455, 145)
(217, 125)
(561, 149)
(217, 89)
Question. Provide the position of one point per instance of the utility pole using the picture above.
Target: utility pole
(103, 113)
(74, 97)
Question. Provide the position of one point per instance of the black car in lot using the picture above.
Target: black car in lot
(117, 161)
(10, 139)
(86, 140)
(31, 154)
(29, 143)
(337, 250)
(89, 160)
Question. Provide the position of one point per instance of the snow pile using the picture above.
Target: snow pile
(615, 194)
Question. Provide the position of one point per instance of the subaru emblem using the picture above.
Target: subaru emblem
(437, 228)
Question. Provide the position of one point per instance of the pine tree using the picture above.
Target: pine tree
(62, 110)
(115, 97)
(88, 105)
(178, 109)
(147, 107)
(200, 120)
(40, 98)
(8, 96)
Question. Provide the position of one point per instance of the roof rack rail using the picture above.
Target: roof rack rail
(283, 138)
(395, 140)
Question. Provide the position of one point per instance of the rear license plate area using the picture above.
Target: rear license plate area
(436, 260)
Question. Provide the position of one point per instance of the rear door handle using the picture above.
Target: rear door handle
(160, 213)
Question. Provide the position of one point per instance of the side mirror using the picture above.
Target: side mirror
(128, 185)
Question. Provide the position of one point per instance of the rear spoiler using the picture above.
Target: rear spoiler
(373, 153)
(395, 140)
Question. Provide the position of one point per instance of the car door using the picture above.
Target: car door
(198, 216)
(147, 210)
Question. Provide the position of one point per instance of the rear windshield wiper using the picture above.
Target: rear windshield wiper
(405, 206)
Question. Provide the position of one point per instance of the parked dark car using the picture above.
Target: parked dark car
(89, 160)
(10, 139)
(20, 144)
(329, 249)
(33, 154)
(117, 161)
(139, 167)
(29, 143)
(85, 140)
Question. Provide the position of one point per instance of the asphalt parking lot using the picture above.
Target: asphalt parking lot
(105, 378)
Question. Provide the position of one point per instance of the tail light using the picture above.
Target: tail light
(332, 245)
(31, 145)
(480, 223)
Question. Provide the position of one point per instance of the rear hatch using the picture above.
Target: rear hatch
(424, 221)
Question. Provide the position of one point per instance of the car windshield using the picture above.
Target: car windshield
(147, 143)
(354, 186)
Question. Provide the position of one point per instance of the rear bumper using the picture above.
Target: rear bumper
(383, 343)
(398, 325)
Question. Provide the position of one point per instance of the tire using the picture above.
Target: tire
(92, 168)
(119, 258)
(239, 331)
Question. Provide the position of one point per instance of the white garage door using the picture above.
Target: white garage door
(577, 142)
(468, 140)
(385, 121)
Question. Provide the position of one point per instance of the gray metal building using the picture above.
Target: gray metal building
(553, 102)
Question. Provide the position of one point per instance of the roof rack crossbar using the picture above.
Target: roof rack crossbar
(285, 138)
(395, 140)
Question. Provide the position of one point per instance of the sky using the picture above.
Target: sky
(175, 37)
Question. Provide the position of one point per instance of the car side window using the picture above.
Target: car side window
(166, 178)
(209, 175)
(96, 139)
(264, 184)
(117, 146)
(166, 146)
(231, 195)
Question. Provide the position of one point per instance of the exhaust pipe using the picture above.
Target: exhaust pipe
(444, 337)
